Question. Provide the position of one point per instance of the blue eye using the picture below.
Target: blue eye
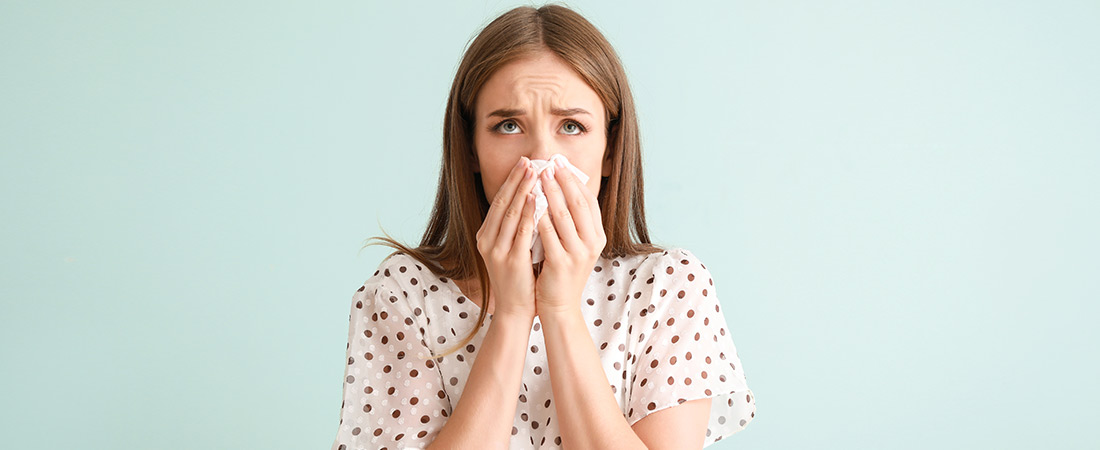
(577, 126)
(500, 126)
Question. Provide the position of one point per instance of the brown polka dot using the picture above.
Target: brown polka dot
(413, 373)
(454, 382)
(680, 294)
(356, 431)
(652, 406)
(671, 320)
(669, 270)
(424, 419)
(675, 338)
(414, 400)
(672, 360)
(396, 413)
(691, 277)
(653, 364)
(377, 431)
(671, 380)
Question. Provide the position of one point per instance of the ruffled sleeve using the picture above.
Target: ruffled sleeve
(392, 398)
(686, 352)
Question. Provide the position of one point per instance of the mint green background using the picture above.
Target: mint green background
(898, 200)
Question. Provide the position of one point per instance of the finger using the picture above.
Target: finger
(574, 196)
(561, 216)
(522, 242)
(503, 197)
(551, 246)
(514, 213)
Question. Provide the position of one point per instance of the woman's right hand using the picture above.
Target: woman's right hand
(504, 241)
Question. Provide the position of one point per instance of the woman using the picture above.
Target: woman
(608, 341)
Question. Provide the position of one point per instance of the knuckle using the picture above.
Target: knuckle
(580, 202)
(563, 214)
(511, 212)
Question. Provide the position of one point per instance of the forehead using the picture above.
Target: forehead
(545, 75)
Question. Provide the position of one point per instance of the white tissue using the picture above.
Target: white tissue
(539, 165)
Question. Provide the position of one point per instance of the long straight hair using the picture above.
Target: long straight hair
(449, 245)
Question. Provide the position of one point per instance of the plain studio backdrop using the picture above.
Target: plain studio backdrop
(899, 202)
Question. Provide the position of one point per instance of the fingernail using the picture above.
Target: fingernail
(520, 162)
(548, 173)
(559, 163)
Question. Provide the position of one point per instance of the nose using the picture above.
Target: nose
(542, 145)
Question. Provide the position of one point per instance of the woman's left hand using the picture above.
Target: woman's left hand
(572, 239)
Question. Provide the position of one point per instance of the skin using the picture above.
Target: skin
(572, 236)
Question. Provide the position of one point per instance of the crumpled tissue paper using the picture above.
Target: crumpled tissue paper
(540, 165)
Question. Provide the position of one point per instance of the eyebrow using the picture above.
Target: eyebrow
(555, 111)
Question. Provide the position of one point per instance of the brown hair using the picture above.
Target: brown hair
(449, 245)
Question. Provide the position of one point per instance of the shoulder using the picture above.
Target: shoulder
(675, 259)
(398, 277)
(680, 268)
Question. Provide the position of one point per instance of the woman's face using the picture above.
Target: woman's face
(537, 107)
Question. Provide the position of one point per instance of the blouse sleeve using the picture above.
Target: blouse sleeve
(687, 352)
(392, 399)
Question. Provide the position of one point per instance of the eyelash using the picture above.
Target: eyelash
(496, 127)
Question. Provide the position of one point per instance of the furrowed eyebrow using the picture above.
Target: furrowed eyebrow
(555, 111)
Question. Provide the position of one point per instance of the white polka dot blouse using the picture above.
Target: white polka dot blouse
(655, 319)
